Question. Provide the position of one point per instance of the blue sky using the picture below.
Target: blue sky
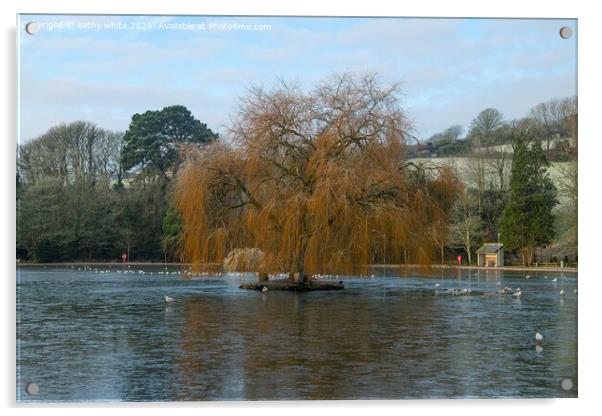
(84, 67)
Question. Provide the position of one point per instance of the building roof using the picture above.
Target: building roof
(490, 248)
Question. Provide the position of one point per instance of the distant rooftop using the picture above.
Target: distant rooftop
(490, 248)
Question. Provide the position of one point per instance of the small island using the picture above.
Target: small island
(294, 286)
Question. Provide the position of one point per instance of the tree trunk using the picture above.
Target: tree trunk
(468, 247)
(527, 253)
(298, 273)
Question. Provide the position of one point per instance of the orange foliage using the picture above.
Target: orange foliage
(318, 181)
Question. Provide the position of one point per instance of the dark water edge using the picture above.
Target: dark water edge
(97, 337)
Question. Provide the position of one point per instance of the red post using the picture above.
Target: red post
(460, 260)
(124, 257)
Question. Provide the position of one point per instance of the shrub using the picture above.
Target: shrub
(243, 260)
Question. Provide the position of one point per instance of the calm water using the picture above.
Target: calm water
(86, 336)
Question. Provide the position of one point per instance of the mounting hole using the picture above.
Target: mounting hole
(566, 384)
(32, 389)
(566, 32)
(32, 28)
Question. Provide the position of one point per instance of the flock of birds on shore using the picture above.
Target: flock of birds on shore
(165, 271)
(190, 273)
(515, 293)
(199, 274)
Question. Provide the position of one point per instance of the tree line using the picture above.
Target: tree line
(509, 195)
(85, 193)
(318, 180)
(551, 126)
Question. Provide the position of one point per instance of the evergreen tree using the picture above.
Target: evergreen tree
(172, 228)
(152, 139)
(527, 221)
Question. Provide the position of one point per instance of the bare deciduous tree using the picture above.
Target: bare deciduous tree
(318, 181)
(476, 172)
(76, 153)
(466, 229)
(484, 126)
(554, 117)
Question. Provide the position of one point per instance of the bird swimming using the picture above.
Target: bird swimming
(555, 280)
(505, 291)
(168, 299)
(561, 292)
(527, 277)
(518, 293)
(264, 289)
(538, 338)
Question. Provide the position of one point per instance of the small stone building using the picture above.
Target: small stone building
(490, 255)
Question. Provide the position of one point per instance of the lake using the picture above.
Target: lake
(88, 336)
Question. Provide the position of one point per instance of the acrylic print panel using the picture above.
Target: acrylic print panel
(278, 208)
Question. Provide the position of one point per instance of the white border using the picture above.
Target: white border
(590, 276)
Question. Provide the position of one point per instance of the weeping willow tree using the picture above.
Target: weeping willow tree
(318, 181)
